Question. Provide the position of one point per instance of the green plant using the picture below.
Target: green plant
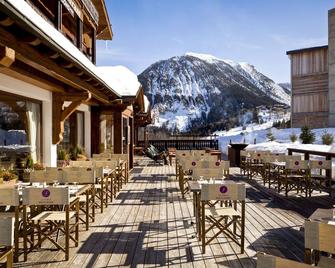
(29, 162)
(76, 152)
(327, 138)
(307, 136)
(62, 155)
(293, 137)
(270, 136)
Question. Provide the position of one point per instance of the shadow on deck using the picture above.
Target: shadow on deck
(149, 224)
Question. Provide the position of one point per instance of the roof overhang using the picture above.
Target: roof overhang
(308, 49)
(104, 31)
(78, 65)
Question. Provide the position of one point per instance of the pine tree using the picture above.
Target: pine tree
(270, 136)
(306, 135)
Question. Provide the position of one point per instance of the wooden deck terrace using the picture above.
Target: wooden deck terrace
(150, 225)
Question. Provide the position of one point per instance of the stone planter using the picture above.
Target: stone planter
(11, 182)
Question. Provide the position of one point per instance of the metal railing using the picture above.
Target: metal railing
(192, 144)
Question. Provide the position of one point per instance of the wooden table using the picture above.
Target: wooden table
(324, 215)
(195, 188)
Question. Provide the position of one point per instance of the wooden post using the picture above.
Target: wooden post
(94, 47)
(145, 138)
(118, 132)
(79, 34)
(58, 21)
(131, 143)
(95, 130)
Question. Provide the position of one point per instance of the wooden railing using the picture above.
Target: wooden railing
(191, 144)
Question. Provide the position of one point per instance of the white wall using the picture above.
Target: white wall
(15, 86)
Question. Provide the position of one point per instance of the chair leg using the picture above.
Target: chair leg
(242, 226)
(67, 235)
(203, 226)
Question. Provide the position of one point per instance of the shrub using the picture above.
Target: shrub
(270, 136)
(327, 138)
(306, 135)
(293, 137)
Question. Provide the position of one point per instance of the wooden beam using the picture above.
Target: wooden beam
(6, 21)
(59, 115)
(66, 64)
(27, 74)
(38, 60)
(77, 71)
(30, 39)
(7, 56)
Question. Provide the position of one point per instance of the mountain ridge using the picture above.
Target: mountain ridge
(191, 91)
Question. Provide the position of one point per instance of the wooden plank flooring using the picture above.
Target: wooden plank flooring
(149, 224)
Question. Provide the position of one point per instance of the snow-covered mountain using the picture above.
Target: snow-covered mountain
(200, 91)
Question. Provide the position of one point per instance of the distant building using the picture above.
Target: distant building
(313, 82)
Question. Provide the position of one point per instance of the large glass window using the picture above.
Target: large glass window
(20, 128)
(125, 134)
(74, 132)
(106, 132)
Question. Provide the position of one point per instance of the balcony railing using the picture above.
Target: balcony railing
(192, 144)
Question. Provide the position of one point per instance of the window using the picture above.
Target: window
(106, 132)
(69, 25)
(88, 39)
(20, 128)
(125, 134)
(74, 132)
(47, 8)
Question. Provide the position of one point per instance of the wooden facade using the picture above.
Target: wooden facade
(309, 77)
(48, 54)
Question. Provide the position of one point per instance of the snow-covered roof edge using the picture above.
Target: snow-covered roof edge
(121, 79)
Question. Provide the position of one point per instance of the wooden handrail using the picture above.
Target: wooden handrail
(8, 255)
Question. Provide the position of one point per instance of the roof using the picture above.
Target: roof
(56, 37)
(301, 50)
(104, 31)
(121, 79)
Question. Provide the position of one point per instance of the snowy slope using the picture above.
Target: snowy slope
(200, 91)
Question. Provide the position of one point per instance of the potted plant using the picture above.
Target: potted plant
(38, 166)
(8, 177)
(77, 153)
(62, 158)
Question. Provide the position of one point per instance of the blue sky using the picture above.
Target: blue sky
(255, 31)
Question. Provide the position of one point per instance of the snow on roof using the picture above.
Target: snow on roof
(146, 104)
(55, 36)
(121, 79)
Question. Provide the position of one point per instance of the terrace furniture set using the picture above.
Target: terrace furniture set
(287, 172)
(319, 231)
(218, 203)
(55, 202)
